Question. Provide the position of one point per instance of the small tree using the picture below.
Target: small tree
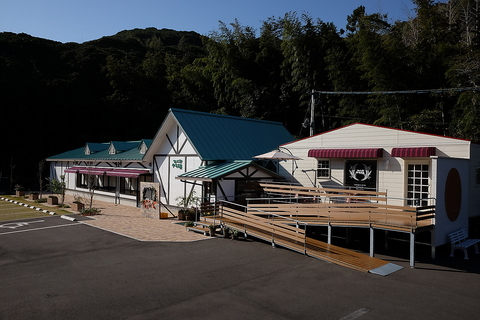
(92, 185)
(41, 168)
(58, 187)
(187, 201)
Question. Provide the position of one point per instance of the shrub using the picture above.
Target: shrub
(90, 211)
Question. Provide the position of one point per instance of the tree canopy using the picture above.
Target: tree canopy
(120, 87)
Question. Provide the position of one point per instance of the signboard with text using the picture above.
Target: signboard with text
(361, 174)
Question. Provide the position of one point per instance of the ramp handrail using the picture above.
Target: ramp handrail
(277, 229)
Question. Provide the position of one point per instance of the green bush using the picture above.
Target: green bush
(90, 211)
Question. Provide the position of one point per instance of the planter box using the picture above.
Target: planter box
(181, 215)
(19, 194)
(51, 200)
(78, 206)
(33, 196)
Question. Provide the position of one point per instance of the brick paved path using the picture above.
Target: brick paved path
(128, 221)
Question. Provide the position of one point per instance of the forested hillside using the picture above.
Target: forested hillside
(56, 96)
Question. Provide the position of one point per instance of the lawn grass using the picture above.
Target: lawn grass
(12, 211)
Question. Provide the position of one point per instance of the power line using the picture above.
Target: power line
(399, 92)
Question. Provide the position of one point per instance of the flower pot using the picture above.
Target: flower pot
(77, 206)
(190, 215)
(19, 193)
(52, 200)
(181, 215)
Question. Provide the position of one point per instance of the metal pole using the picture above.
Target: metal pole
(372, 242)
(412, 250)
(312, 114)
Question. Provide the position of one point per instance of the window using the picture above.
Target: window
(417, 185)
(323, 169)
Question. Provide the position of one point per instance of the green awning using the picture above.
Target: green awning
(219, 171)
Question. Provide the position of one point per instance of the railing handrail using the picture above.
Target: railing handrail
(265, 212)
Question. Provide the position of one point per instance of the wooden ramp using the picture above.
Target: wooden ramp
(349, 258)
(290, 234)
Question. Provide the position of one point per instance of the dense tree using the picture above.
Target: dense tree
(62, 95)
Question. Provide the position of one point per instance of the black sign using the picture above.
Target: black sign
(361, 173)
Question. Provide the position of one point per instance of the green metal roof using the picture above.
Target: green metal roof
(218, 171)
(125, 150)
(220, 137)
(214, 137)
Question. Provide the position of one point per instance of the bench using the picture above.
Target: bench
(459, 240)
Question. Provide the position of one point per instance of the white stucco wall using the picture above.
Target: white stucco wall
(173, 156)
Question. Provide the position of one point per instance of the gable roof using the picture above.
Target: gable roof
(221, 137)
(114, 150)
(368, 131)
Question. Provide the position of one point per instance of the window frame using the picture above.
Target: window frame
(327, 169)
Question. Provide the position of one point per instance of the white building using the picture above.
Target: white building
(207, 153)
(413, 168)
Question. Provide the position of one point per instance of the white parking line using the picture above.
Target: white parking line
(62, 225)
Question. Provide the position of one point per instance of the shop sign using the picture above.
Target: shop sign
(177, 164)
(361, 173)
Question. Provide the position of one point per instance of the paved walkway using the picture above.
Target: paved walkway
(128, 221)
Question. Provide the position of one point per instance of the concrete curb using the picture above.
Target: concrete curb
(29, 206)
(68, 218)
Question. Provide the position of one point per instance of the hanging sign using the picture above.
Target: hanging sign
(361, 173)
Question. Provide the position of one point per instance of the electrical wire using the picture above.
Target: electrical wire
(399, 92)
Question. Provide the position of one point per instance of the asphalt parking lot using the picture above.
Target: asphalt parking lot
(52, 268)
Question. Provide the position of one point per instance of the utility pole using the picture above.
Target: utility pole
(312, 114)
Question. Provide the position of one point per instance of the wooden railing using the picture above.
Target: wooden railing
(290, 233)
(278, 230)
(330, 194)
(353, 214)
(356, 208)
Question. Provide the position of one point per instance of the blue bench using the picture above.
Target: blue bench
(459, 240)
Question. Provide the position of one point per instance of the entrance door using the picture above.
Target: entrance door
(418, 190)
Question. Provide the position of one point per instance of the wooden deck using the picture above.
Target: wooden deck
(291, 234)
(284, 223)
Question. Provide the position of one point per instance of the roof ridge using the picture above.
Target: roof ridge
(173, 110)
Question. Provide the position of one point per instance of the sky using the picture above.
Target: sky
(85, 20)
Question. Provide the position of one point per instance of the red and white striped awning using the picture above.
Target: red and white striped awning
(422, 152)
(72, 170)
(94, 171)
(115, 172)
(127, 173)
(87, 170)
(346, 153)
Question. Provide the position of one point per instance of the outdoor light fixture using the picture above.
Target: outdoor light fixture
(387, 164)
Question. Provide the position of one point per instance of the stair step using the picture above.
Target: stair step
(205, 231)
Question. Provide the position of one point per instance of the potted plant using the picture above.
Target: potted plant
(33, 196)
(19, 191)
(52, 200)
(212, 230)
(226, 232)
(77, 204)
(190, 214)
(189, 224)
(181, 214)
(188, 203)
(57, 187)
(233, 234)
